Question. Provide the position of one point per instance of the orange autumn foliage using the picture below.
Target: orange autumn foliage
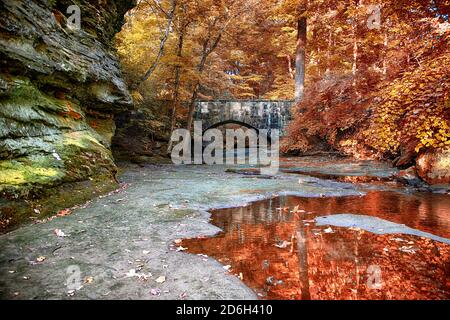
(396, 102)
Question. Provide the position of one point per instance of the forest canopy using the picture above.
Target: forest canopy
(376, 72)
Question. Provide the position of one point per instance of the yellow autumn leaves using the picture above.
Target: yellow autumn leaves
(414, 108)
(435, 133)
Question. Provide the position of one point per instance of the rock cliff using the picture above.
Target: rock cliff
(60, 88)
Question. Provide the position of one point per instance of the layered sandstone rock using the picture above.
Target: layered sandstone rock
(59, 90)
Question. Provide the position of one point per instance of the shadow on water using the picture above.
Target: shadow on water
(281, 253)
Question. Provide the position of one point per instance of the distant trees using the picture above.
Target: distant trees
(375, 90)
(173, 40)
(370, 76)
(165, 35)
(181, 50)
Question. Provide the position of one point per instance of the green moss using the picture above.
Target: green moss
(27, 111)
(58, 161)
(13, 172)
(79, 168)
(52, 3)
(77, 156)
(81, 139)
(15, 212)
(24, 92)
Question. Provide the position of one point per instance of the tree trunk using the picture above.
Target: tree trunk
(355, 61)
(208, 48)
(355, 47)
(176, 88)
(385, 50)
(192, 107)
(300, 57)
(329, 52)
(290, 69)
(162, 44)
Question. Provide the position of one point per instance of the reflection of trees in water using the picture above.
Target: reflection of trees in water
(302, 252)
(326, 265)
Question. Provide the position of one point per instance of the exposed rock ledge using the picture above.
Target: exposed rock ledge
(59, 90)
(434, 166)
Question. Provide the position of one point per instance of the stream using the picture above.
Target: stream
(323, 228)
(318, 252)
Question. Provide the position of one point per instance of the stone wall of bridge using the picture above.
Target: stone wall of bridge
(260, 114)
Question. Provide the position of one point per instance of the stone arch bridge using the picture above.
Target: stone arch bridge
(256, 114)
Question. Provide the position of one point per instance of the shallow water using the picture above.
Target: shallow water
(283, 254)
(135, 228)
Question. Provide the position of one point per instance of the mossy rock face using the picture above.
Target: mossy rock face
(104, 127)
(46, 141)
(79, 168)
(14, 212)
(59, 91)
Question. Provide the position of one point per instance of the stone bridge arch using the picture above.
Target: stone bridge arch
(257, 114)
(231, 121)
(243, 124)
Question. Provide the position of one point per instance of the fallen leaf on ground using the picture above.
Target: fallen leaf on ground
(228, 267)
(88, 279)
(40, 259)
(133, 273)
(161, 279)
(183, 295)
(64, 212)
(155, 292)
(59, 233)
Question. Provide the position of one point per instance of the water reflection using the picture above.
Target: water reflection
(282, 254)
